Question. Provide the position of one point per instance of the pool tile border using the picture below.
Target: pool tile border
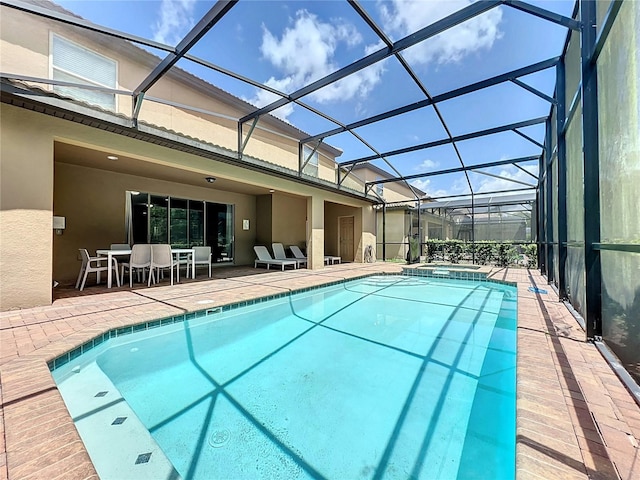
(66, 357)
(116, 332)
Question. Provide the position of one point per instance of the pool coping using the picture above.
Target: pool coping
(568, 426)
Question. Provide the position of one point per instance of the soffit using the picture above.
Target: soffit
(88, 157)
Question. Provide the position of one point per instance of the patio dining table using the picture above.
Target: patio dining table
(110, 253)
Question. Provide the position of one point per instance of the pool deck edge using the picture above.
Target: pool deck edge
(575, 419)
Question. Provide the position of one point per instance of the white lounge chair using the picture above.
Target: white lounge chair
(331, 259)
(265, 258)
(298, 255)
(280, 254)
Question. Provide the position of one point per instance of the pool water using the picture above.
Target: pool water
(383, 377)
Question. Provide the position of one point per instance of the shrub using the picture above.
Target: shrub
(430, 250)
(505, 254)
(455, 249)
(531, 252)
(435, 249)
(484, 252)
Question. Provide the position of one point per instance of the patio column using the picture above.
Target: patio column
(26, 209)
(315, 232)
(368, 232)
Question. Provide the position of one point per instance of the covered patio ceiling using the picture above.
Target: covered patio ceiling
(426, 106)
(93, 158)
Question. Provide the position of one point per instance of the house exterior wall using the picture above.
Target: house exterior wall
(395, 236)
(332, 214)
(95, 221)
(264, 215)
(392, 191)
(368, 238)
(92, 200)
(289, 220)
(37, 183)
(30, 55)
(26, 207)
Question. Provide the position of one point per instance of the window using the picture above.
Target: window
(71, 62)
(311, 168)
(181, 223)
(380, 188)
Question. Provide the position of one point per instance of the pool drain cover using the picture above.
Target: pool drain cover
(219, 438)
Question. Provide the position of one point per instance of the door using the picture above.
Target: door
(219, 231)
(345, 239)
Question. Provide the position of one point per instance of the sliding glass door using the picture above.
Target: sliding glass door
(182, 223)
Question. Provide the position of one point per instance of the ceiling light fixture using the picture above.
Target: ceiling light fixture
(210, 179)
(112, 157)
(271, 191)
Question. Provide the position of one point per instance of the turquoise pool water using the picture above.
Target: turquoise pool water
(382, 377)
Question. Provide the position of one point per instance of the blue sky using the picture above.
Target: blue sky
(287, 45)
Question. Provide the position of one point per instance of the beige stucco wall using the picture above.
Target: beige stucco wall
(264, 214)
(392, 191)
(26, 201)
(332, 214)
(95, 221)
(316, 232)
(289, 220)
(368, 216)
(395, 235)
(281, 218)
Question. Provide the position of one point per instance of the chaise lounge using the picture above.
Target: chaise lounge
(265, 258)
(279, 254)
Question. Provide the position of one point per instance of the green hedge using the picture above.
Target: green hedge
(502, 254)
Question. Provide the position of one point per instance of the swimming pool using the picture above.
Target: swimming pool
(381, 377)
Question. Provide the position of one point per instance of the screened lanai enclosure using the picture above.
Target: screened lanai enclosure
(494, 120)
(508, 218)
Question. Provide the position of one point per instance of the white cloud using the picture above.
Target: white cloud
(421, 184)
(426, 165)
(306, 52)
(406, 16)
(176, 19)
(490, 184)
(264, 97)
(426, 186)
(481, 183)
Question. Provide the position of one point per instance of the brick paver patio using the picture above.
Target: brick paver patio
(575, 419)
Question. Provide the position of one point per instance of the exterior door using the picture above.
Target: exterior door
(346, 239)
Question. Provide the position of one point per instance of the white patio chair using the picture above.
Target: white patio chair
(265, 258)
(139, 260)
(94, 265)
(161, 257)
(202, 257)
(280, 254)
